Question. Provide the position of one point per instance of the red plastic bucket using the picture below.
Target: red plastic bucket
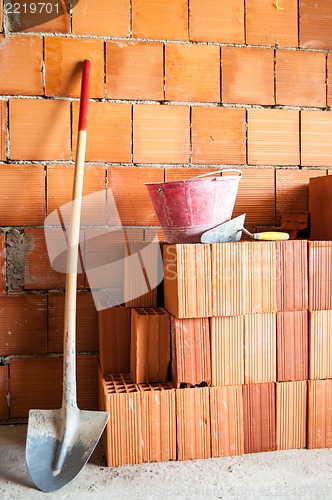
(188, 208)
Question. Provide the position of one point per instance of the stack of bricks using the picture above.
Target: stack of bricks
(178, 88)
(250, 368)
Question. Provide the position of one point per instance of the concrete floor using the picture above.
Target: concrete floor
(294, 474)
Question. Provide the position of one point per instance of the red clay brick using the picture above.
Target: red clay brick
(320, 355)
(260, 348)
(23, 327)
(273, 137)
(3, 130)
(266, 24)
(109, 131)
(36, 383)
(291, 415)
(193, 423)
(316, 138)
(218, 135)
(103, 18)
(315, 24)
(25, 76)
(259, 417)
(319, 414)
(191, 358)
(160, 20)
(63, 66)
(300, 79)
(217, 21)
(142, 59)
(226, 406)
(38, 272)
(292, 190)
(39, 130)
(86, 323)
(59, 192)
(43, 21)
(192, 73)
(114, 326)
(329, 80)
(150, 345)
(161, 134)
(133, 204)
(320, 192)
(320, 278)
(247, 75)
(21, 195)
(2, 263)
(4, 389)
(292, 346)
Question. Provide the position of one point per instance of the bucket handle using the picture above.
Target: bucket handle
(220, 171)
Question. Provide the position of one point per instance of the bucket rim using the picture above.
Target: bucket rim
(186, 181)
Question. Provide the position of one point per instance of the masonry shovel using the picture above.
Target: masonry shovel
(232, 231)
(59, 442)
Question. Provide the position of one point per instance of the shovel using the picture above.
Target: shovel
(60, 442)
(232, 231)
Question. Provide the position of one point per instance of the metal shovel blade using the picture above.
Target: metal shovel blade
(48, 435)
(228, 231)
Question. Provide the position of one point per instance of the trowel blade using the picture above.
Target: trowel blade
(228, 231)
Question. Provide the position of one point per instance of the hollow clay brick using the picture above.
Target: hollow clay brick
(187, 273)
(3, 129)
(144, 60)
(23, 327)
(320, 278)
(2, 263)
(27, 52)
(161, 134)
(191, 359)
(21, 207)
(320, 348)
(123, 433)
(292, 189)
(307, 73)
(292, 346)
(259, 417)
(314, 20)
(133, 205)
(101, 18)
(260, 348)
(316, 138)
(193, 423)
(266, 24)
(60, 180)
(320, 190)
(108, 132)
(37, 383)
(218, 135)
(63, 66)
(150, 345)
(247, 75)
(192, 73)
(86, 323)
(4, 389)
(114, 327)
(291, 415)
(160, 20)
(273, 137)
(38, 272)
(217, 21)
(329, 85)
(43, 22)
(48, 139)
(319, 414)
(158, 422)
(292, 275)
(227, 350)
(226, 407)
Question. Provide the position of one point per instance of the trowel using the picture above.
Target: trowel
(232, 231)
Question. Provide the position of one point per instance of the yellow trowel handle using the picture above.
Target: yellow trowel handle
(271, 236)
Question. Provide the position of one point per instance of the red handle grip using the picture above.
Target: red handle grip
(82, 124)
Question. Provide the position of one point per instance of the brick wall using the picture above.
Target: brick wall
(177, 88)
